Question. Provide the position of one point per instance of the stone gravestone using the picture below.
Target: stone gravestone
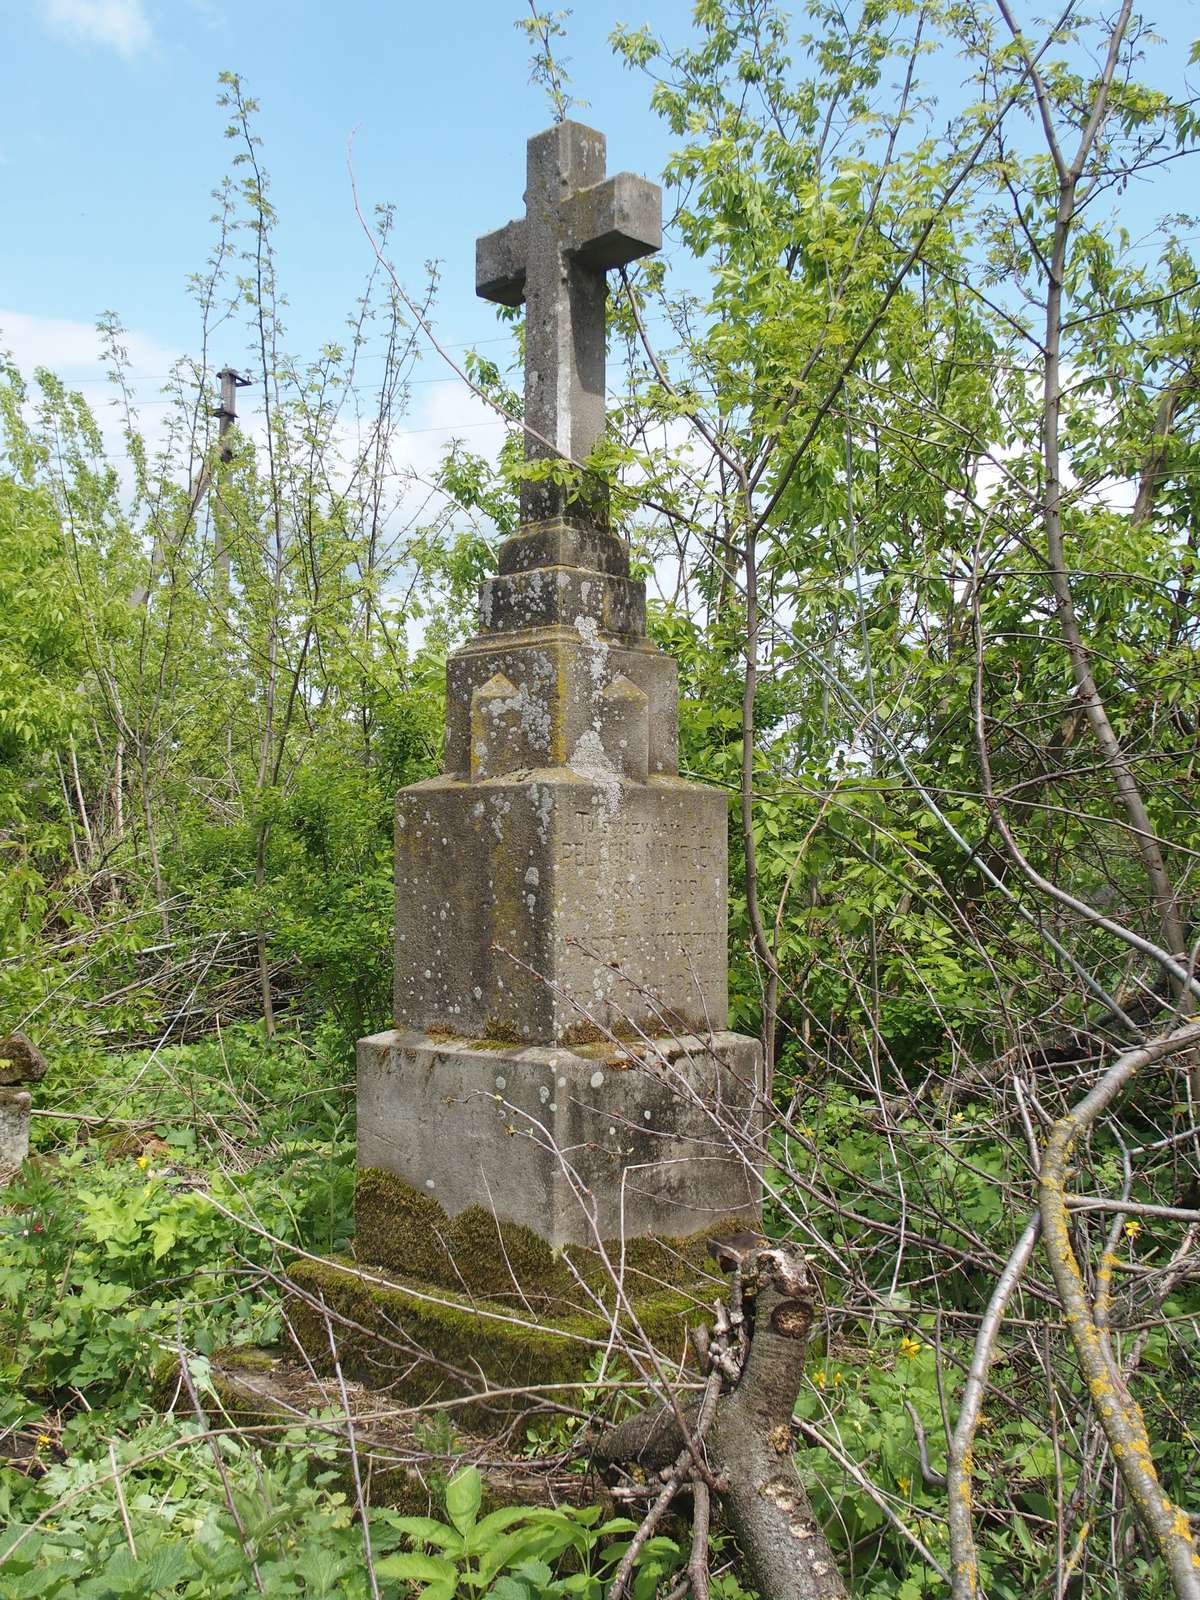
(560, 886)
(560, 1075)
(21, 1064)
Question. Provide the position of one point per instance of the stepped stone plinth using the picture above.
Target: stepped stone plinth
(560, 1077)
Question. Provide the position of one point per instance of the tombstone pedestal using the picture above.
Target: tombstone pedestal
(578, 1145)
(561, 907)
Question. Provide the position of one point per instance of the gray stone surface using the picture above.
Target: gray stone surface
(20, 1060)
(579, 1145)
(559, 543)
(14, 1131)
(576, 226)
(560, 676)
(560, 887)
(547, 597)
(553, 908)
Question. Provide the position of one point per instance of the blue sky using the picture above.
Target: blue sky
(112, 143)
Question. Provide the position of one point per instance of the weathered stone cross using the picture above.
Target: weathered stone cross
(559, 886)
(577, 225)
(560, 1070)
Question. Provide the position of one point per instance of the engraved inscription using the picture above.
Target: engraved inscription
(652, 891)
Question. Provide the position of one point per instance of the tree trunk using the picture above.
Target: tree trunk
(750, 1445)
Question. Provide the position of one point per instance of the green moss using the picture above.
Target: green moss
(397, 1225)
(500, 1036)
(405, 1231)
(251, 1359)
(424, 1343)
(164, 1380)
(587, 1033)
(503, 1260)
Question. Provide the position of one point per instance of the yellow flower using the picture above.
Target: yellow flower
(837, 1377)
(905, 1484)
(819, 1379)
(910, 1347)
(43, 1440)
(143, 1162)
(1132, 1229)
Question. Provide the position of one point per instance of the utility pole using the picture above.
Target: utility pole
(226, 414)
(231, 382)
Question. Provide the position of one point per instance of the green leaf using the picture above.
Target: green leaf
(428, 1530)
(537, 1572)
(616, 1525)
(509, 1549)
(496, 1521)
(425, 1569)
(320, 1570)
(510, 1589)
(166, 1567)
(463, 1495)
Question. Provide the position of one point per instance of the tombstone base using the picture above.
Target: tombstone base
(14, 1131)
(576, 1144)
(271, 1389)
(435, 1306)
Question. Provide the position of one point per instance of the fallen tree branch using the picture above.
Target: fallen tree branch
(964, 1564)
(748, 1439)
(1165, 1523)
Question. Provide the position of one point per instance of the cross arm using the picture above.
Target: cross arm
(612, 223)
(500, 264)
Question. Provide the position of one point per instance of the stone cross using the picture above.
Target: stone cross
(560, 887)
(560, 1070)
(577, 225)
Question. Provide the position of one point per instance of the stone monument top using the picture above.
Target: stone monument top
(577, 225)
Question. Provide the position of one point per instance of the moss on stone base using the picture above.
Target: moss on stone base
(407, 1232)
(423, 1342)
(437, 1306)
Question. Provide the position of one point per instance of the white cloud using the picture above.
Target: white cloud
(72, 351)
(120, 25)
(70, 348)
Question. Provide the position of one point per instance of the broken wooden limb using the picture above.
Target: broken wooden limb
(748, 1444)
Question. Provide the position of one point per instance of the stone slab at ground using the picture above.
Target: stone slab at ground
(257, 1389)
(437, 1306)
(426, 1343)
